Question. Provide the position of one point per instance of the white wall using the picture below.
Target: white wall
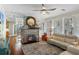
(74, 15)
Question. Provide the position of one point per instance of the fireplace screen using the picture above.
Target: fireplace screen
(31, 38)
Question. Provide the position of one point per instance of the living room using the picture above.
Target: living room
(28, 29)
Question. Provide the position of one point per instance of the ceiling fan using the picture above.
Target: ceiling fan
(44, 10)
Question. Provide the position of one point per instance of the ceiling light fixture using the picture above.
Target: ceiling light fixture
(44, 12)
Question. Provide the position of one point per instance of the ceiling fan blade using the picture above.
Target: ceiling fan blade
(36, 10)
(51, 9)
(40, 10)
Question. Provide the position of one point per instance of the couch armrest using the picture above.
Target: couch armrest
(73, 49)
(60, 44)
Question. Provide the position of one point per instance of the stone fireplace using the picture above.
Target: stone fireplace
(30, 33)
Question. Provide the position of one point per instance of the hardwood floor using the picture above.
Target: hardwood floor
(16, 50)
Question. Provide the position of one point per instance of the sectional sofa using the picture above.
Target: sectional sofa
(69, 43)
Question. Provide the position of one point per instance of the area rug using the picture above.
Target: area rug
(40, 48)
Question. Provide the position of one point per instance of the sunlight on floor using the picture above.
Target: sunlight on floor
(18, 42)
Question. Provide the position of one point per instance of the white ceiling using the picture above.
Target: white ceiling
(26, 9)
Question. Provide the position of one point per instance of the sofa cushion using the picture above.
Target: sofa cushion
(69, 40)
(65, 38)
(60, 38)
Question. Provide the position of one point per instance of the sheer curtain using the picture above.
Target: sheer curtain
(18, 24)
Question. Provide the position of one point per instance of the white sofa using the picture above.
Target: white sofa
(69, 49)
(66, 42)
